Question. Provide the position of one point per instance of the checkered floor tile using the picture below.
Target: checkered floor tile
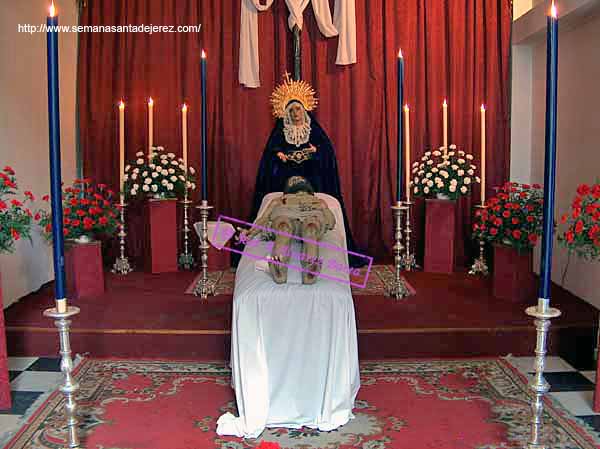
(32, 377)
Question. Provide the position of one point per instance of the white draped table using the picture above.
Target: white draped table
(294, 355)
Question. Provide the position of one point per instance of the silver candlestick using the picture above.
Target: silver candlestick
(397, 288)
(70, 386)
(204, 287)
(542, 314)
(122, 265)
(186, 258)
(408, 260)
(479, 266)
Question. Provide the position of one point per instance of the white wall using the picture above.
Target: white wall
(24, 125)
(578, 135)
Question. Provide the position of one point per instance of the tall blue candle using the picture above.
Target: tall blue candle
(550, 156)
(55, 175)
(400, 64)
(204, 131)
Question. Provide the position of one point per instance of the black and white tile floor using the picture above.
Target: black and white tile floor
(32, 378)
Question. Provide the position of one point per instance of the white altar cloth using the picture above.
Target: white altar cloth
(294, 355)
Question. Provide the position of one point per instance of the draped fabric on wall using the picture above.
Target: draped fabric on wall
(453, 49)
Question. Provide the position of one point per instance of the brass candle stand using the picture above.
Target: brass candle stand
(70, 385)
(480, 267)
(186, 258)
(408, 260)
(122, 265)
(204, 287)
(542, 315)
(397, 288)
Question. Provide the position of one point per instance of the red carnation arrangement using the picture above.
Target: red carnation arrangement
(88, 210)
(15, 216)
(268, 445)
(583, 223)
(513, 217)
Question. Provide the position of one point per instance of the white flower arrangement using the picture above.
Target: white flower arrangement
(438, 174)
(152, 178)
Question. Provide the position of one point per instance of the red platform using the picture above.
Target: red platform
(161, 236)
(5, 401)
(514, 279)
(440, 236)
(84, 271)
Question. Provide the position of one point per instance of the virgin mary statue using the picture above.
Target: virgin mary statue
(298, 146)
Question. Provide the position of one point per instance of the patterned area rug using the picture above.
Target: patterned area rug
(451, 404)
(377, 279)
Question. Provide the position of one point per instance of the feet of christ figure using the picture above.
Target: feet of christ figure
(298, 146)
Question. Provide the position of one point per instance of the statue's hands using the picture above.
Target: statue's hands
(281, 155)
(312, 148)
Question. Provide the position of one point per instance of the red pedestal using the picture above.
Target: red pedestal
(161, 236)
(83, 270)
(219, 259)
(440, 235)
(5, 401)
(513, 275)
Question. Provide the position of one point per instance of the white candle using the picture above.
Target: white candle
(445, 114)
(122, 149)
(150, 127)
(407, 150)
(482, 155)
(184, 109)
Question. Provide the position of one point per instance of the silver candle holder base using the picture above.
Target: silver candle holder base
(70, 386)
(204, 287)
(397, 288)
(122, 265)
(186, 258)
(479, 266)
(408, 261)
(542, 315)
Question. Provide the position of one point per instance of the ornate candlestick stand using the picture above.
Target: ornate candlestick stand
(121, 265)
(205, 286)
(542, 314)
(186, 258)
(408, 261)
(479, 266)
(397, 288)
(70, 387)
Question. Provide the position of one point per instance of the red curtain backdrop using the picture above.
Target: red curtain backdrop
(456, 49)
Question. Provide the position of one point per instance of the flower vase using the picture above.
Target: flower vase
(442, 196)
(83, 268)
(160, 233)
(513, 278)
(5, 399)
(440, 235)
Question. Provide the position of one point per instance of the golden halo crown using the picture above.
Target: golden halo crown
(290, 90)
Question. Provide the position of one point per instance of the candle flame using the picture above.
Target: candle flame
(400, 53)
(121, 105)
(52, 9)
(445, 103)
(203, 54)
(553, 11)
(184, 107)
(483, 107)
(150, 102)
(406, 108)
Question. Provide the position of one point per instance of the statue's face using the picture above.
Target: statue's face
(297, 114)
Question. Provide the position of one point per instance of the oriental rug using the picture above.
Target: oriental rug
(441, 404)
(377, 279)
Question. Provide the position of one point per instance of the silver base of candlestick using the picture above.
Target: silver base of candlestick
(408, 261)
(479, 266)
(122, 265)
(542, 314)
(204, 287)
(397, 288)
(186, 259)
(70, 386)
